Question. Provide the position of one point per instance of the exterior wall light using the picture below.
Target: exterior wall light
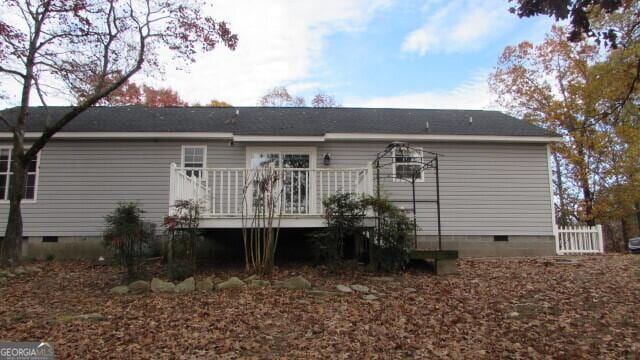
(327, 159)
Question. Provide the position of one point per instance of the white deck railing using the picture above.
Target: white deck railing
(579, 239)
(185, 187)
(222, 190)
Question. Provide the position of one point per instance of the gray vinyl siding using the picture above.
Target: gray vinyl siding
(486, 188)
(81, 181)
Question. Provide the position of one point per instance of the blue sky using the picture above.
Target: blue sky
(382, 62)
(369, 53)
(380, 53)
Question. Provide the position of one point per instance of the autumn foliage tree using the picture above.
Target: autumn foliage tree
(591, 98)
(161, 97)
(280, 97)
(218, 103)
(86, 50)
(127, 94)
(323, 100)
(579, 13)
(132, 94)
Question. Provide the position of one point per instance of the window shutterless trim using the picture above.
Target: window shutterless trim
(35, 185)
(393, 155)
(204, 154)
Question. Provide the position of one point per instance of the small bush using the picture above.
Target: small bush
(180, 269)
(392, 243)
(49, 257)
(127, 235)
(184, 234)
(344, 214)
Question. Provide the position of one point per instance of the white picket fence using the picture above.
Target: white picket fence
(579, 240)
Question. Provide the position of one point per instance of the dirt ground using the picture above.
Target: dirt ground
(503, 308)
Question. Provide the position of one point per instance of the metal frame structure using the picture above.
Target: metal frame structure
(385, 158)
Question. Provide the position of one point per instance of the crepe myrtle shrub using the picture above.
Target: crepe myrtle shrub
(184, 235)
(127, 235)
(391, 247)
(344, 215)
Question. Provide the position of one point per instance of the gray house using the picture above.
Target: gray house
(495, 187)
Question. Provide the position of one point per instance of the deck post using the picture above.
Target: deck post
(172, 185)
(438, 202)
(557, 237)
(370, 178)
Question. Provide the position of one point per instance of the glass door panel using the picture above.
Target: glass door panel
(296, 183)
(295, 180)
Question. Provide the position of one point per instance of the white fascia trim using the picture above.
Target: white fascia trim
(425, 137)
(129, 135)
(269, 138)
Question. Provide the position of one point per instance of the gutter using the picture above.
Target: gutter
(277, 138)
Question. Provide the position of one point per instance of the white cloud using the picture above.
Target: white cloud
(280, 43)
(459, 26)
(473, 94)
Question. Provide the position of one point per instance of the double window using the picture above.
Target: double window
(6, 172)
(194, 160)
(407, 164)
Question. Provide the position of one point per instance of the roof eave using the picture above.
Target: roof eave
(288, 138)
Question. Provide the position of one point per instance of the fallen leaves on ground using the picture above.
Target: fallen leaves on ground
(506, 308)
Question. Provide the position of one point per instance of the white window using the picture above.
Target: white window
(407, 163)
(31, 183)
(194, 159)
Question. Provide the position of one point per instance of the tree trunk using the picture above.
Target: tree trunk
(637, 206)
(563, 217)
(625, 235)
(11, 250)
(588, 205)
(583, 180)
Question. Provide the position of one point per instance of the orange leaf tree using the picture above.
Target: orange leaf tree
(86, 50)
(580, 92)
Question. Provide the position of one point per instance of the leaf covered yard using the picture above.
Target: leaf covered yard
(508, 308)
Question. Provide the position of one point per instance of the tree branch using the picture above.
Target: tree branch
(49, 132)
(7, 124)
(12, 72)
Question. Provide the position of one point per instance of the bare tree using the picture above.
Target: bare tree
(279, 97)
(324, 100)
(85, 50)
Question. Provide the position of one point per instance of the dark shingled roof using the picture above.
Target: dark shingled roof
(286, 121)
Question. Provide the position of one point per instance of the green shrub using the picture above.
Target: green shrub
(184, 234)
(180, 269)
(127, 235)
(392, 240)
(344, 214)
(49, 257)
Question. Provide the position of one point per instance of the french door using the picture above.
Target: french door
(295, 184)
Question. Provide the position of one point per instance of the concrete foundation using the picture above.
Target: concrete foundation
(486, 246)
(66, 248)
(92, 247)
